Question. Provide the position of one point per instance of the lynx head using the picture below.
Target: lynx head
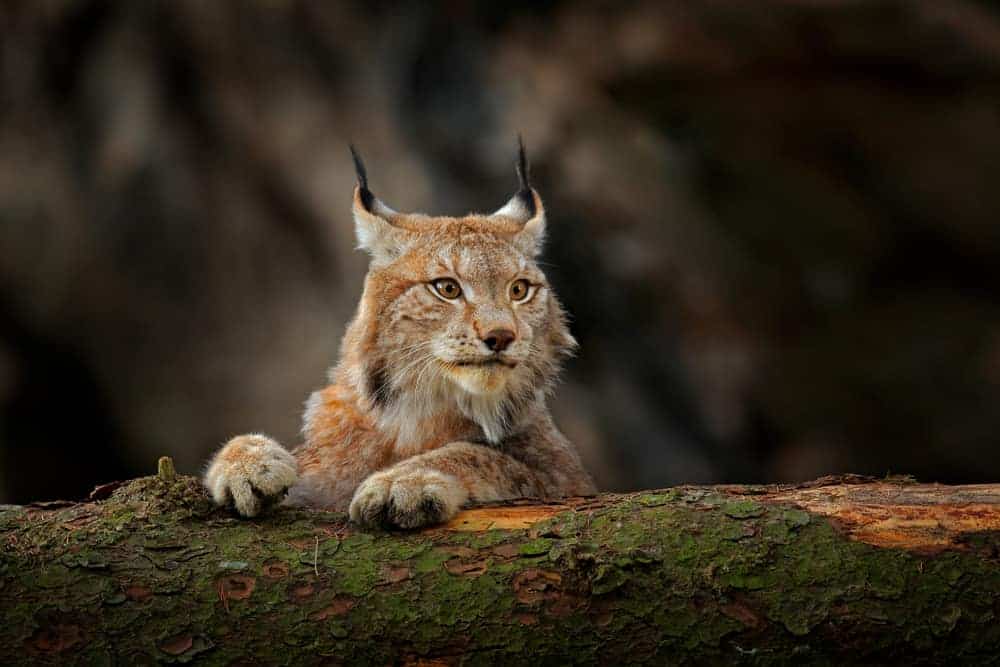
(456, 314)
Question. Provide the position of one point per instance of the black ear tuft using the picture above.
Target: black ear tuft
(523, 176)
(359, 167)
(366, 195)
(522, 167)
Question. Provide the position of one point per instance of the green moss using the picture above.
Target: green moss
(484, 540)
(795, 518)
(743, 509)
(431, 560)
(538, 547)
(354, 576)
(50, 577)
(607, 578)
(658, 499)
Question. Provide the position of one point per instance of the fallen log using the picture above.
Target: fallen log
(843, 569)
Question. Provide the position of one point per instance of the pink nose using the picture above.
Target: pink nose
(498, 339)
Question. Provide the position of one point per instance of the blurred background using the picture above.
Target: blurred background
(776, 224)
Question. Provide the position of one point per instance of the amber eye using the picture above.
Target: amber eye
(447, 288)
(519, 290)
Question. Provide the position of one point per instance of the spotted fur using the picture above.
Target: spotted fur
(421, 416)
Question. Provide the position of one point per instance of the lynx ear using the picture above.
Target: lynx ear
(525, 207)
(372, 220)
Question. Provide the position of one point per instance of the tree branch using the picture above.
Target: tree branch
(841, 569)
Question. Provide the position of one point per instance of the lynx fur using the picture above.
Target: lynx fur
(439, 397)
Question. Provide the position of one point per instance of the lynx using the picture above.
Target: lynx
(439, 397)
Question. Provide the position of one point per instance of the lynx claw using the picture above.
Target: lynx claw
(251, 472)
(406, 499)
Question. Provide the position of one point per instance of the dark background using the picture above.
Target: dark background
(777, 224)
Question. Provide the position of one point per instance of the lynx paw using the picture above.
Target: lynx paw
(252, 472)
(407, 499)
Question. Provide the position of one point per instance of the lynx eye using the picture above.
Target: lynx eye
(447, 288)
(520, 290)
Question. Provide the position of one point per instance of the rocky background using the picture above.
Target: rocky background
(777, 224)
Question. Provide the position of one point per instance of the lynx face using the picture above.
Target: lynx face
(456, 315)
(474, 311)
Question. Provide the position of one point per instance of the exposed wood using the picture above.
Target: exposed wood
(911, 516)
(503, 517)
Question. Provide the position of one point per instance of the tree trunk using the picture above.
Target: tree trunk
(837, 570)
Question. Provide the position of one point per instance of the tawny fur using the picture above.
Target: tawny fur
(411, 427)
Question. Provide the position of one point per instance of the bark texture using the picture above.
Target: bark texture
(838, 570)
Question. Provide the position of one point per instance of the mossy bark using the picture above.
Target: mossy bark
(832, 572)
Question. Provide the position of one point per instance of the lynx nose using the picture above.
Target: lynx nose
(498, 339)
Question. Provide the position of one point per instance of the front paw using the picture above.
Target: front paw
(252, 472)
(407, 499)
